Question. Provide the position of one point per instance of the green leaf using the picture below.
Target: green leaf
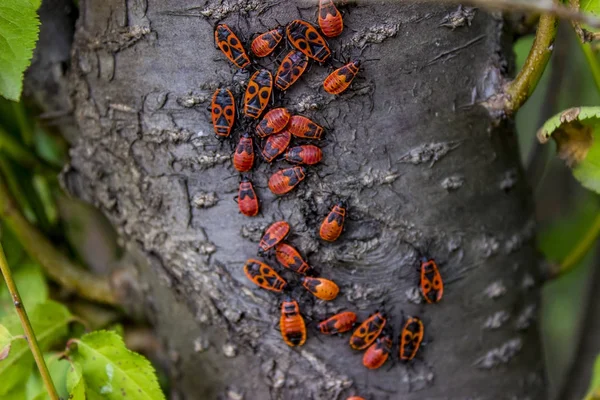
(50, 322)
(75, 383)
(18, 34)
(35, 389)
(32, 285)
(591, 6)
(15, 368)
(17, 393)
(111, 371)
(594, 391)
(576, 132)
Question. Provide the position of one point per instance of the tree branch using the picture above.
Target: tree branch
(27, 328)
(518, 91)
(56, 265)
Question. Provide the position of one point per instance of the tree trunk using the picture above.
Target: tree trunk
(421, 165)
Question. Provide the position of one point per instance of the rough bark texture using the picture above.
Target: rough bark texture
(416, 159)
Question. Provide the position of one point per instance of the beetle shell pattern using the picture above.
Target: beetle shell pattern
(368, 331)
(411, 338)
(243, 158)
(275, 145)
(303, 127)
(333, 224)
(291, 69)
(338, 323)
(223, 112)
(274, 121)
(330, 19)
(307, 154)
(305, 37)
(321, 288)
(291, 259)
(431, 283)
(258, 92)
(265, 43)
(264, 276)
(291, 323)
(340, 79)
(378, 353)
(231, 46)
(283, 181)
(273, 235)
(247, 199)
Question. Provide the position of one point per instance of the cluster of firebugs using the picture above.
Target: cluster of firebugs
(275, 130)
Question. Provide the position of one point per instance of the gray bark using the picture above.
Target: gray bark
(416, 159)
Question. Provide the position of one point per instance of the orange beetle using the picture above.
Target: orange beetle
(247, 199)
(340, 79)
(264, 276)
(274, 121)
(431, 283)
(291, 323)
(243, 158)
(231, 46)
(330, 19)
(223, 112)
(265, 43)
(290, 258)
(275, 145)
(286, 179)
(338, 323)
(411, 338)
(305, 37)
(355, 398)
(322, 288)
(305, 128)
(258, 92)
(333, 224)
(273, 235)
(378, 353)
(305, 154)
(367, 332)
(291, 69)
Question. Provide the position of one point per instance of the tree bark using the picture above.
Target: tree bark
(421, 165)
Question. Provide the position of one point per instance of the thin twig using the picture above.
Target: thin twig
(584, 35)
(580, 250)
(541, 7)
(29, 334)
(592, 63)
(56, 265)
(519, 90)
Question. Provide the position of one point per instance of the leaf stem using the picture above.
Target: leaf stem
(581, 249)
(56, 265)
(519, 90)
(27, 328)
(592, 62)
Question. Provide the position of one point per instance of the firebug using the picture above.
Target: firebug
(264, 276)
(291, 323)
(231, 46)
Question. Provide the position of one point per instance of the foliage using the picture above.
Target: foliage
(576, 132)
(594, 391)
(18, 35)
(110, 371)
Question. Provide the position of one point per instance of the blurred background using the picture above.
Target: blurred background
(565, 211)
